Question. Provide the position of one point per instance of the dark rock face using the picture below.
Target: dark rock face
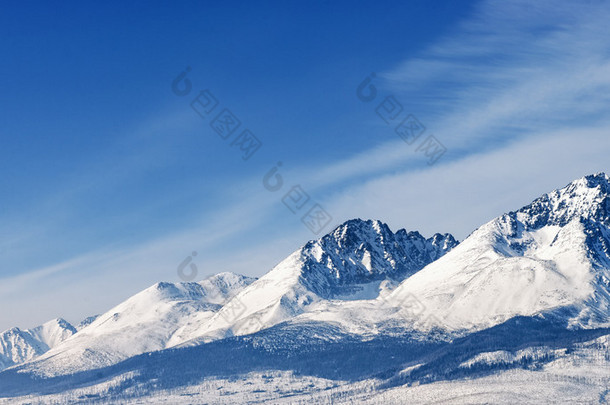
(361, 251)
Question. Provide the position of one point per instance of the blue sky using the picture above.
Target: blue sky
(110, 180)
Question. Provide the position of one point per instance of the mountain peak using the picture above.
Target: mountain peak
(587, 198)
(359, 251)
(17, 345)
(12, 331)
(215, 289)
(228, 278)
(588, 186)
(445, 241)
(87, 321)
(357, 230)
(596, 179)
(58, 322)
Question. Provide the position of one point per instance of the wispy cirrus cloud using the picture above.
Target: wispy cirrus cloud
(514, 67)
(513, 71)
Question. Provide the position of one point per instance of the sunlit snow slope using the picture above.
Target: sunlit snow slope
(349, 263)
(551, 254)
(18, 346)
(151, 320)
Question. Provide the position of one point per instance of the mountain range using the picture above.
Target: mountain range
(361, 314)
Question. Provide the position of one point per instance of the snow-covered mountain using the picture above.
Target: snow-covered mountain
(18, 346)
(551, 254)
(150, 320)
(364, 308)
(352, 262)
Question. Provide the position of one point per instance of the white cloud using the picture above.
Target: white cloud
(460, 196)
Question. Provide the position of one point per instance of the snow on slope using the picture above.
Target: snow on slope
(341, 265)
(550, 254)
(579, 375)
(18, 346)
(53, 332)
(150, 320)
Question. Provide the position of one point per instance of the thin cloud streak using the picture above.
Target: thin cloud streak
(540, 79)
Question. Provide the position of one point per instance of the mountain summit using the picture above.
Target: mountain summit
(358, 252)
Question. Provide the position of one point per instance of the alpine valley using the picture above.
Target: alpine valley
(518, 312)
